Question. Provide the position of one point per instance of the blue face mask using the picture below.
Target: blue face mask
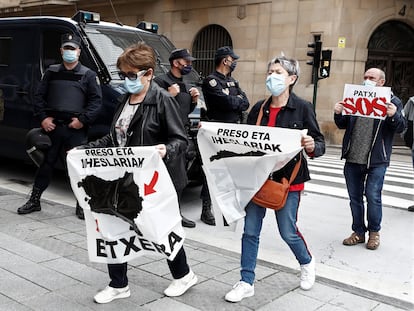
(186, 70)
(369, 82)
(275, 83)
(70, 56)
(133, 86)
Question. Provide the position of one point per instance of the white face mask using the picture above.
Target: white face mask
(275, 83)
(369, 82)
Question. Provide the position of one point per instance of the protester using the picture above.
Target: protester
(409, 115)
(186, 96)
(282, 109)
(367, 147)
(147, 116)
(67, 101)
(225, 102)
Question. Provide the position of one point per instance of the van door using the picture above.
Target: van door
(18, 49)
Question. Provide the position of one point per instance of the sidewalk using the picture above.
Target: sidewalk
(44, 266)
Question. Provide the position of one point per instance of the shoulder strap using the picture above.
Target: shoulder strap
(260, 116)
(296, 169)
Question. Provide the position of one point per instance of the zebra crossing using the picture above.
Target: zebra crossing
(327, 178)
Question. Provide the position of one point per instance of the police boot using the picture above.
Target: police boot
(206, 215)
(187, 222)
(79, 211)
(33, 205)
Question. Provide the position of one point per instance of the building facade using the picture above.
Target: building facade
(360, 33)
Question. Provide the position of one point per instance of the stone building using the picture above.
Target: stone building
(360, 33)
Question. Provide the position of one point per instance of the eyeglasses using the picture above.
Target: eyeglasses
(132, 75)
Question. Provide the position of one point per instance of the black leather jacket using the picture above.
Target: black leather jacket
(157, 121)
(297, 114)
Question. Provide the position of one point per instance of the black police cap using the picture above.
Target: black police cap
(181, 53)
(225, 51)
(72, 40)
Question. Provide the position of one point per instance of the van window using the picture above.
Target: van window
(110, 43)
(5, 47)
(51, 45)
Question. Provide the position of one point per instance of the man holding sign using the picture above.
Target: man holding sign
(370, 123)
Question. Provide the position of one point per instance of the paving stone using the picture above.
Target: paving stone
(25, 249)
(209, 295)
(168, 304)
(77, 271)
(18, 288)
(293, 301)
(351, 302)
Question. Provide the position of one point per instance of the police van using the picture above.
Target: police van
(28, 45)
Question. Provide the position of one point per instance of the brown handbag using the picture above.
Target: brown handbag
(273, 194)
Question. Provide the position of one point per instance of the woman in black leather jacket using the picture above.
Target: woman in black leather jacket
(147, 116)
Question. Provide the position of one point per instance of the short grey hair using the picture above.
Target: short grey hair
(289, 64)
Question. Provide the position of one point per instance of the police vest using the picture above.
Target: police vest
(66, 91)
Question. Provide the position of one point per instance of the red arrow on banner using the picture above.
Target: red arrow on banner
(148, 189)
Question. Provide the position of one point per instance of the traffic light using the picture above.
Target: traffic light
(315, 53)
(325, 64)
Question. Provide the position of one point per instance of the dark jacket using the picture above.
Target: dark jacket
(183, 97)
(297, 114)
(224, 99)
(63, 94)
(383, 133)
(157, 121)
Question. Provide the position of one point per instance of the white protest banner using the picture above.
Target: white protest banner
(366, 101)
(238, 158)
(135, 183)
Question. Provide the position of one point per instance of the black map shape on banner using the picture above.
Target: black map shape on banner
(118, 197)
(228, 154)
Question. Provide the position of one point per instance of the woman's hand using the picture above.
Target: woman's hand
(162, 150)
(308, 143)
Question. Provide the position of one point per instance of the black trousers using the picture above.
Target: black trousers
(178, 268)
(63, 139)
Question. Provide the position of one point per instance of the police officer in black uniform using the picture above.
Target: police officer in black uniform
(186, 96)
(68, 100)
(225, 100)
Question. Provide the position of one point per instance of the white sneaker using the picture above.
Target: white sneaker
(110, 293)
(307, 275)
(180, 286)
(240, 290)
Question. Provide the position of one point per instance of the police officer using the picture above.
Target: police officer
(67, 101)
(225, 101)
(186, 96)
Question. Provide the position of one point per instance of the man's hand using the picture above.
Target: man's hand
(391, 110)
(174, 89)
(75, 124)
(194, 93)
(339, 106)
(48, 125)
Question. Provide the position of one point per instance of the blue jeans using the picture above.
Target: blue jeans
(286, 220)
(361, 181)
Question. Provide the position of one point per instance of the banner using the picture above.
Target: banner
(238, 158)
(133, 182)
(366, 101)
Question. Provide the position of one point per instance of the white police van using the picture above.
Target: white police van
(28, 45)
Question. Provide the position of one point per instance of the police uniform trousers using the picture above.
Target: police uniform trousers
(63, 139)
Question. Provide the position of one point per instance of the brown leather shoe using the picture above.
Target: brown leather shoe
(354, 239)
(373, 240)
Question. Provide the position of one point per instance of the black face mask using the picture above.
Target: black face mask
(185, 70)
